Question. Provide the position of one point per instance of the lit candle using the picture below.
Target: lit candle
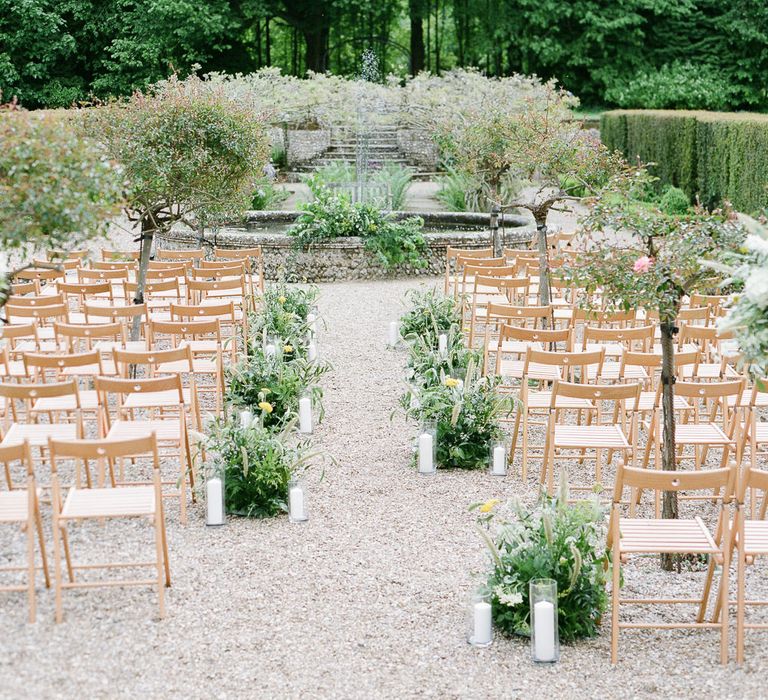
(246, 418)
(499, 467)
(305, 414)
(442, 344)
(393, 333)
(296, 504)
(544, 631)
(425, 454)
(312, 351)
(482, 626)
(214, 502)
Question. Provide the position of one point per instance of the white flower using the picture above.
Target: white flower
(510, 599)
(756, 287)
(757, 244)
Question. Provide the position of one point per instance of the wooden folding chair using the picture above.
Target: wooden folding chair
(629, 536)
(253, 257)
(21, 288)
(613, 431)
(193, 255)
(21, 507)
(233, 322)
(117, 502)
(516, 341)
(140, 407)
(451, 254)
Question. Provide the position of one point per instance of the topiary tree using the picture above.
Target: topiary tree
(58, 188)
(189, 155)
(639, 257)
(539, 145)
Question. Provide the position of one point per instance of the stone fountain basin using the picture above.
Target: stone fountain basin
(346, 258)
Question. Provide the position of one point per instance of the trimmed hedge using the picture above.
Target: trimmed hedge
(713, 155)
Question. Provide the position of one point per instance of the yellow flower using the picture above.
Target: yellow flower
(288, 348)
(265, 391)
(487, 507)
(266, 407)
(282, 300)
(451, 382)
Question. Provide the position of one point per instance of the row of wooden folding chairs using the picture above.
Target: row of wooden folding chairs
(734, 536)
(92, 502)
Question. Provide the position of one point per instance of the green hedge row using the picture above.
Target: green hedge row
(713, 155)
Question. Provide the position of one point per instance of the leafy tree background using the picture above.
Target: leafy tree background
(632, 53)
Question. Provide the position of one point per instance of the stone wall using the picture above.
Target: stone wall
(418, 148)
(304, 145)
(340, 259)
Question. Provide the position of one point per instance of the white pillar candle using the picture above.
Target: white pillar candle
(393, 333)
(442, 344)
(544, 630)
(499, 460)
(246, 418)
(425, 454)
(312, 351)
(269, 350)
(305, 414)
(312, 323)
(296, 503)
(483, 624)
(214, 502)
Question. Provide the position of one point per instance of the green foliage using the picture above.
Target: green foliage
(462, 192)
(430, 313)
(556, 541)
(283, 315)
(397, 179)
(267, 195)
(57, 186)
(713, 156)
(256, 464)
(393, 176)
(335, 216)
(675, 86)
(674, 201)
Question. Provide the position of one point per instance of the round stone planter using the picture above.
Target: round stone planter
(341, 258)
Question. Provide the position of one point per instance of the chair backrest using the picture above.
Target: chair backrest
(43, 315)
(452, 253)
(659, 480)
(604, 318)
(19, 331)
(119, 255)
(54, 254)
(714, 301)
(568, 362)
(612, 392)
(65, 264)
(87, 274)
(37, 300)
(709, 390)
(125, 387)
(203, 289)
(174, 270)
(99, 311)
(155, 288)
(630, 338)
(193, 312)
(191, 254)
(31, 287)
(83, 290)
(545, 337)
(237, 253)
(22, 454)
(36, 273)
(40, 363)
(181, 330)
(215, 272)
(223, 264)
(706, 337)
(27, 394)
(82, 335)
(151, 358)
(111, 265)
(519, 315)
(695, 315)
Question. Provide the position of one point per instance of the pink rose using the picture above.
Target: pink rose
(642, 264)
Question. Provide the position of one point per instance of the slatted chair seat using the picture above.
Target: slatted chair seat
(37, 434)
(518, 347)
(543, 399)
(514, 369)
(158, 399)
(124, 501)
(165, 430)
(89, 401)
(107, 368)
(14, 505)
(562, 314)
(590, 436)
(106, 346)
(701, 434)
(648, 402)
(611, 349)
(202, 365)
(659, 535)
(755, 537)
(14, 369)
(611, 371)
(708, 370)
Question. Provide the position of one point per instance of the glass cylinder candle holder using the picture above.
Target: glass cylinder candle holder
(246, 419)
(479, 619)
(297, 501)
(442, 345)
(393, 336)
(311, 351)
(312, 322)
(498, 458)
(305, 414)
(545, 641)
(214, 498)
(427, 448)
(273, 347)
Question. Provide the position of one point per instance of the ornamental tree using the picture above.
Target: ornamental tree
(637, 257)
(189, 155)
(58, 188)
(541, 146)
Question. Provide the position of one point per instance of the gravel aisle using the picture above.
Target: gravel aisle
(366, 600)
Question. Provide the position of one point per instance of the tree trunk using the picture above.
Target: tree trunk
(541, 240)
(316, 39)
(416, 10)
(668, 457)
(267, 42)
(147, 236)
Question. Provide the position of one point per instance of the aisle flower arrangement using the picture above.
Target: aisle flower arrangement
(555, 541)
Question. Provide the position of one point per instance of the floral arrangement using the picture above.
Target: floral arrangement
(554, 540)
(256, 464)
(283, 314)
(430, 313)
(748, 314)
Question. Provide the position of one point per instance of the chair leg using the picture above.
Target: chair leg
(31, 561)
(43, 553)
(524, 469)
(57, 567)
(160, 556)
(616, 563)
(705, 595)
(724, 601)
(182, 483)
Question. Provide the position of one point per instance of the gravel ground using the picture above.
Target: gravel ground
(367, 599)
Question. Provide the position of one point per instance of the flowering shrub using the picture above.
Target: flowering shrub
(283, 314)
(748, 315)
(558, 541)
(335, 216)
(431, 313)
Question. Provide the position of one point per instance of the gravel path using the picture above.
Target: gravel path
(367, 599)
